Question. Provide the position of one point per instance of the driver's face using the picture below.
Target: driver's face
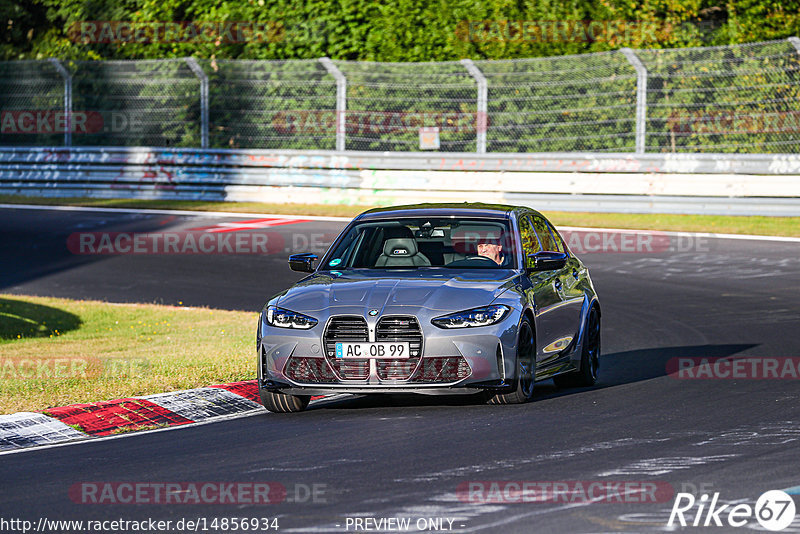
(491, 251)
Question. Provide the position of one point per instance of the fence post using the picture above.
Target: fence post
(67, 99)
(198, 71)
(641, 98)
(795, 42)
(341, 100)
(483, 104)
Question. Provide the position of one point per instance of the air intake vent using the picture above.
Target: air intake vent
(346, 328)
(302, 369)
(442, 369)
(399, 328)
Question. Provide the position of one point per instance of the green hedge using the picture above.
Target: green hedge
(396, 30)
(555, 98)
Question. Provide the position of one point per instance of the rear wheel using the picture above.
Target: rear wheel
(526, 369)
(277, 402)
(590, 357)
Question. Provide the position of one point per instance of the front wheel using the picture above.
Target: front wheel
(526, 369)
(590, 357)
(278, 402)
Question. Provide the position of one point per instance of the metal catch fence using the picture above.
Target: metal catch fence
(729, 99)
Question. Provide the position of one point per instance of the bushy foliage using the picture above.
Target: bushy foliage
(555, 98)
(397, 30)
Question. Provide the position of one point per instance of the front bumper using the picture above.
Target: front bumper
(424, 389)
(452, 361)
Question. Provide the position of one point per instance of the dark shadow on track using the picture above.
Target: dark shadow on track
(20, 320)
(383, 400)
(631, 366)
(616, 369)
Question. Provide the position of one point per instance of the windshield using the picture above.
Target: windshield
(425, 242)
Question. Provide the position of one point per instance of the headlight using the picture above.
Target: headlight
(475, 317)
(288, 319)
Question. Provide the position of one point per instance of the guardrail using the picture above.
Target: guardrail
(692, 183)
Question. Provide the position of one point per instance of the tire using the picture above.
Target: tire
(590, 357)
(526, 369)
(277, 402)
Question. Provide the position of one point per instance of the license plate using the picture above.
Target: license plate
(380, 349)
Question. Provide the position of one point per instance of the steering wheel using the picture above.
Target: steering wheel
(481, 258)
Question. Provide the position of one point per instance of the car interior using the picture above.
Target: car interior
(428, 243)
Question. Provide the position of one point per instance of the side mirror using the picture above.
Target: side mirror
(302, 262)
(547, 261)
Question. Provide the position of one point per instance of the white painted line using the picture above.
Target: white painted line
(672, 233)
(173, 212)
(665, 465)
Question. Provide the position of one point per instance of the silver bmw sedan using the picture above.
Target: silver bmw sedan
(433, 299)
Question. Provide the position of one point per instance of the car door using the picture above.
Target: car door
(562, 319)
(540, 288)
(572, 292)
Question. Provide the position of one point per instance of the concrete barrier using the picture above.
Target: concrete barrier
(767, 184)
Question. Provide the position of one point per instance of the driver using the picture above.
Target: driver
(491, 247)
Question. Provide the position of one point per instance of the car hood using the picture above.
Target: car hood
(359, 291)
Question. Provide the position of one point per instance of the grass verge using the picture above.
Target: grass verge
(718, 224)
(723, 224)
(55, 352)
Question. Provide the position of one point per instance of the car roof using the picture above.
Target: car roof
(463, 209)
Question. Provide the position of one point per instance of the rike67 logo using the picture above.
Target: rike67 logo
(774, 510)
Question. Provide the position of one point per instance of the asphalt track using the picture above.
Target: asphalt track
(407, 457)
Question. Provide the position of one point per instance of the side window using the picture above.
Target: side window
(530, 243)
(560, 247)
(365, 249)
(546, 237)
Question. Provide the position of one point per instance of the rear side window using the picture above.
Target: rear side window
(546, 238)
(559, 243)
(530, 243)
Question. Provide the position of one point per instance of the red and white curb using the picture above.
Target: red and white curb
(26, 429)
(104, 418)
